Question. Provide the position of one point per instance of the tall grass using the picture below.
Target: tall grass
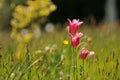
(47, 58)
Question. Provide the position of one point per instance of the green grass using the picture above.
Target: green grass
(41, 64)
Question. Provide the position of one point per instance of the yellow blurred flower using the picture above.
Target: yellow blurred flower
(65, 42)
(28, 37)
(23, 17)
(44, 12)
(52, 7)
(20, 51)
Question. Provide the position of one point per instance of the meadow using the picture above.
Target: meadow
(48, 58)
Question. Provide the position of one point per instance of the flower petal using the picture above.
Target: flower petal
(91, 53)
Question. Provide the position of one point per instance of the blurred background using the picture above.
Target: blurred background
(35, 43)
(91, 11)
(86, 9)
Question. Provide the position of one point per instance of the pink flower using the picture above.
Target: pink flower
(84, 53)
(75, 39)
(73, 26)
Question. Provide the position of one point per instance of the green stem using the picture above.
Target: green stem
(76, 65)
(13, 68)
(75, 68)
(70, 68)
(28, 63)
(83, 71)
(70, 65)
(73, 65)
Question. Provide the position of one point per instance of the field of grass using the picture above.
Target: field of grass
(47, 58)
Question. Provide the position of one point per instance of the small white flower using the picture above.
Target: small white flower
(24, 32)
(54, 45)
(49, 27)
(37, 32)
(91, 53)
(47, 48)
(12, 75)
(62, 57)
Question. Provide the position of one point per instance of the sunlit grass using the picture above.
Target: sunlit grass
(47, 58)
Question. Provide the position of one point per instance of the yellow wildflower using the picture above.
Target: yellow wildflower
(65, 42)
(28, 37)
